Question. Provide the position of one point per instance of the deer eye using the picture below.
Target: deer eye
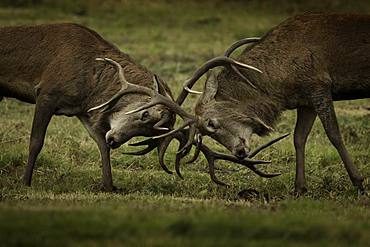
(212, 125)
(145, 115)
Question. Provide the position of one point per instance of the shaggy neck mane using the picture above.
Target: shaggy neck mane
(241, 100)
(105, 74)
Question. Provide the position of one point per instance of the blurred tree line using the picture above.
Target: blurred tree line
(20, 3)
(84, 7)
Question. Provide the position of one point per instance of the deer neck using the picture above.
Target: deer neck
(266, 101)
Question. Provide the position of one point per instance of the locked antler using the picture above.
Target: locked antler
(212, 156)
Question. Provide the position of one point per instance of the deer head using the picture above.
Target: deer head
(147, 122)
(227, 120)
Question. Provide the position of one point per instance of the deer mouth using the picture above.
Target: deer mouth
(112, 144)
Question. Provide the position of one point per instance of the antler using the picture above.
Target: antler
(212, 156)
(214, 62)
(239, 43)
(126, 87)
(191, 120)
(150, 143)
(233, 47)
(156, 98)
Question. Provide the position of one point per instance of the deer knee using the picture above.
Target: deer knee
(336, 140)
(299, 142)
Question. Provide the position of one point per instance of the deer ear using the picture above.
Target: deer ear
(159, 87)
(261, 128)
(210, 87)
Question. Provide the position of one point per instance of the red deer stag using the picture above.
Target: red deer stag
(308, 61)
(56, 67)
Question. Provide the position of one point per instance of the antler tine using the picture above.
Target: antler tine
(213, 156)
(164, 120)
(214, 62)
(187, 89)
(172, 132)
(233, 47)
(143, 107)
(142, 143)
(178, 164)
(191, 135)
(199, 141)
(126, 87)
(160, 99)
(263, 174)
(263, 146)
(237, 71)
(211, 168)
(119, 70)
(180, 155)
(162, 147)
(150, 146)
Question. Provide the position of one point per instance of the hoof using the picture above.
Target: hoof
(117, 190)
(362, 192)
(359, 186)
(249, 194)
(26, 182)
(300, 191)
(110, 189)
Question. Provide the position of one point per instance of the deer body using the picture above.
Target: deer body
(54, 66)
(308, 61)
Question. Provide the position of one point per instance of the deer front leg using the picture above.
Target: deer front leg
(43, 112)
(305, 119)
(99, 138)
(107, 172)
(325, 110)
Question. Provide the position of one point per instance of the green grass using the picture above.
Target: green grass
(135, 220)
(65, 206)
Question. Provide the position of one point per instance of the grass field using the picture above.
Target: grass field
(65, 206)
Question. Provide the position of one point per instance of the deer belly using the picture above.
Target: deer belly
(358, 91)
(23, 91)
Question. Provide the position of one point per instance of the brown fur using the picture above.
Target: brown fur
(308, 61)
(54, 67)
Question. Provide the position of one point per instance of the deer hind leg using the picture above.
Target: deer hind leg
(305, 119)
(43, 112)
(99, 138)
(325, 110)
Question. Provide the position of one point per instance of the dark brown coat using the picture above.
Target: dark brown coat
(308, 61)
(54, 67)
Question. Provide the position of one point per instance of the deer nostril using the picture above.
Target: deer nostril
(241, 153)
(110, 142)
